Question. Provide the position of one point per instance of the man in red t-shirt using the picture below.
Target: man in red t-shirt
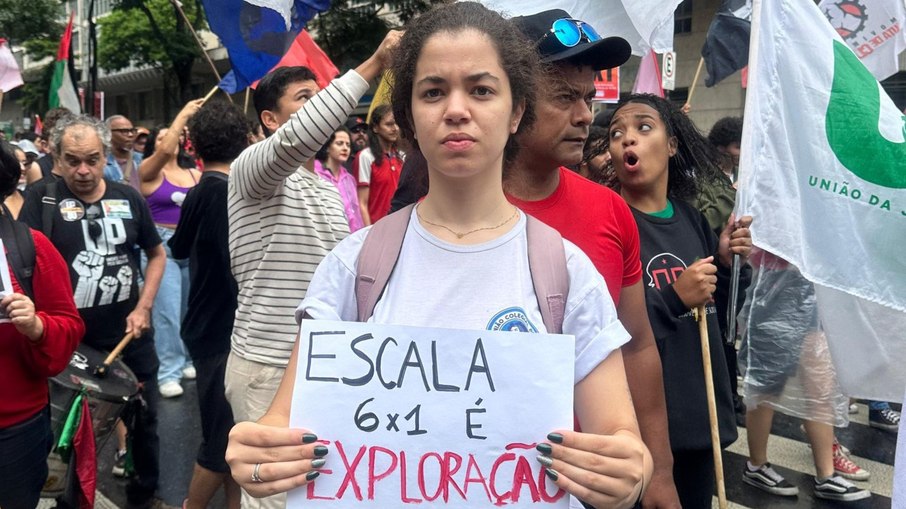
(591, 216)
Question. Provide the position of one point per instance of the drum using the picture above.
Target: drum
(107, 396)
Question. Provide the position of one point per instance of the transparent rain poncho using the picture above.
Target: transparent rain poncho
(784, 359)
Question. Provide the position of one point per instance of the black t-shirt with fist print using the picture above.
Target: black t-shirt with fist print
(100, 242)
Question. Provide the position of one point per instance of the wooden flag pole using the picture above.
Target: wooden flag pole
(245, 107)
(702, 319)
(211, 93)
(1, 99)
(178, 5)
(698, 72)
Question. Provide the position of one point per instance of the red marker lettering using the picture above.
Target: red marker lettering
(349, 478)
(403, 480)
(523, 476)
(421, 476)
(500, 499)
(479, 478)
(372, 478)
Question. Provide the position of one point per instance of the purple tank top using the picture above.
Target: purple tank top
(165, 202)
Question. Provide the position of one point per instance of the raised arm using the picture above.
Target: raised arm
(260, 170)
(149, 170)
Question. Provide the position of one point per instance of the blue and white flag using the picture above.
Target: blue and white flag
(257, 33)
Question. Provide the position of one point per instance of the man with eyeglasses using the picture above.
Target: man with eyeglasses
(593, 217)
(98, 226)
(122, 161)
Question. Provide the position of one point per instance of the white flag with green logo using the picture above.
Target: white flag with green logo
(823, 171)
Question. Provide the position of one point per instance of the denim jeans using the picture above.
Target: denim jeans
(169, 309)
(23, 461)
(878, 405)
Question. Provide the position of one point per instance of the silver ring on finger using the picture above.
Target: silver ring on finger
(255, 476)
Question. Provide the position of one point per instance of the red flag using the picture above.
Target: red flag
(304, 51)
(39, 126)
(648, 80)
(85, 458)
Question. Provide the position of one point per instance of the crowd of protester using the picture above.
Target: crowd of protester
(207, 242)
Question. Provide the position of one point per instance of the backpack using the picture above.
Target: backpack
(20, 250)
(547, 264)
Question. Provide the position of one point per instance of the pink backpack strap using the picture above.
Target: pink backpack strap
(377, 259)
(547, 264)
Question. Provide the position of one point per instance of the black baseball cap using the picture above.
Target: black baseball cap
(354, 122)
(605, 53)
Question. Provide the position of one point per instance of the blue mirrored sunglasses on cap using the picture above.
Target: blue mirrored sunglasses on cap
(570, 32)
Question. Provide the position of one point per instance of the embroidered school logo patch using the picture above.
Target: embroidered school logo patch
(511, 319)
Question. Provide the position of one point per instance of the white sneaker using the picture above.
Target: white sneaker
(171, 389)
(189, 373)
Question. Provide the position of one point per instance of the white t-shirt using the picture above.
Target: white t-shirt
(365, 159)
(485, 286)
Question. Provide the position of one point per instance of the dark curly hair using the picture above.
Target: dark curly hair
(219, 132)
(322, 152)
(518, 59)
(726, 131)
(696, 159)
(10, 169)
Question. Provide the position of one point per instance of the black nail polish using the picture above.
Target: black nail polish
(545, 449)
(309, 438)
(311, 476)
(320, 450)
(556, 438)
(550, 472)
(318, 463)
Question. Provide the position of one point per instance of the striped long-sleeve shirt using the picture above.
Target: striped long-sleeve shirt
(283, 220)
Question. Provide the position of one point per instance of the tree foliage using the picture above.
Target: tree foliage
(22, 21)
(351, 30)
(151, 33)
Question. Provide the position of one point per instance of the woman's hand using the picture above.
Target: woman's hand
(190, 109)
(736, 238)
(284, 458)
(697, 283)
(21, 312)
(600, 470)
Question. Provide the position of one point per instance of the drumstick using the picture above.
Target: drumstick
(116, 351)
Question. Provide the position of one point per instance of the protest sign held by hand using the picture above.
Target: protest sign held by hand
(416, 415)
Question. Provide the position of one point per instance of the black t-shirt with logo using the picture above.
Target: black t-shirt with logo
(668, 247)
(99, 242)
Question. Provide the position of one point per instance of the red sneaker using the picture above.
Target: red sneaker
(845, 467)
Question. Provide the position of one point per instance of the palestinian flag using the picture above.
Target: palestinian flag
(62, 88)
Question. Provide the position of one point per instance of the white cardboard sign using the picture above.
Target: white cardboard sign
(415, 415)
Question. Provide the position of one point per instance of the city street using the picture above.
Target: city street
(871, 448)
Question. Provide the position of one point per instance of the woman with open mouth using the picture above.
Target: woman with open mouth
(660, 158)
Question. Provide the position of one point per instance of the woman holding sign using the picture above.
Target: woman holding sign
(465, 81)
